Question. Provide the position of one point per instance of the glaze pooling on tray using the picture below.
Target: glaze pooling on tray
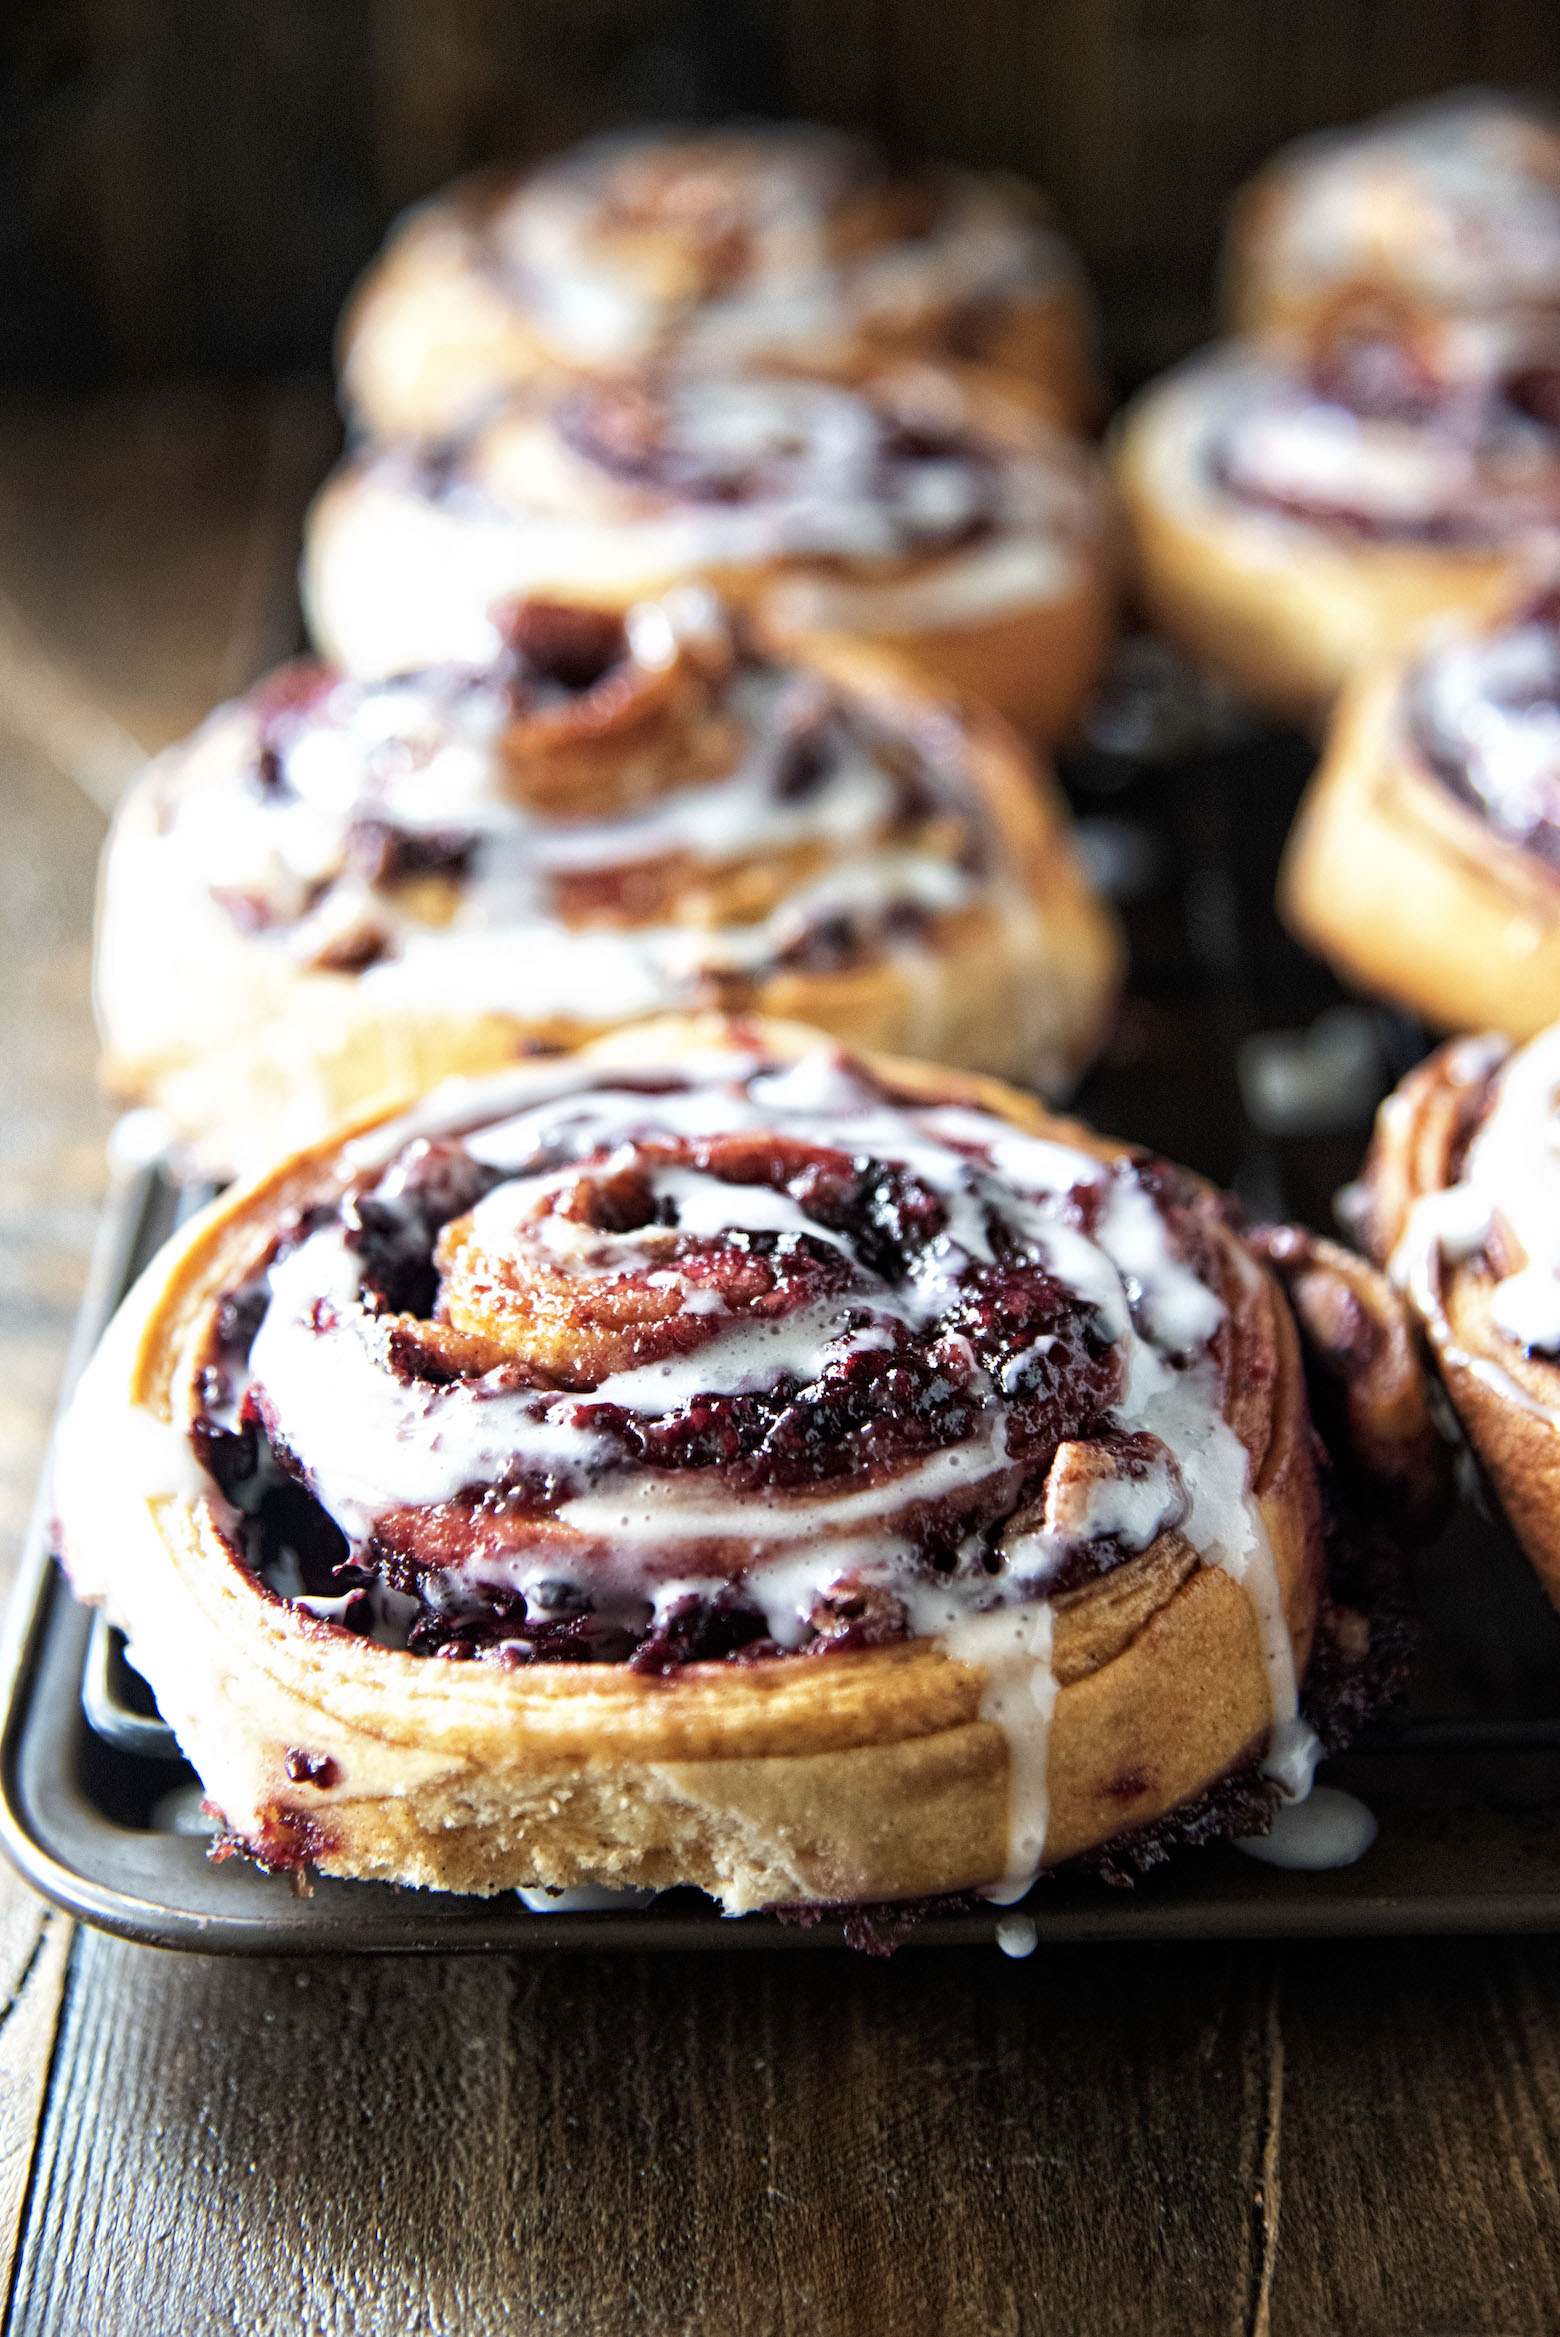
(728, 1364)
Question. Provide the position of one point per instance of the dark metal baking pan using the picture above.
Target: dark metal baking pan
(1465, 1785)
(1237, 1054)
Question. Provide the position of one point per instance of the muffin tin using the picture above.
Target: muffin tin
(1236, 1054)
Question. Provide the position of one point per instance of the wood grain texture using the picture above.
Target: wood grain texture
(807, 2144)
(1421, 2140)
(1360, 2139)
(148, 539)
(1279, 2141)
(35, 1944)
(52, 1127)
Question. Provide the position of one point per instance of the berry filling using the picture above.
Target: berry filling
(673, 1370)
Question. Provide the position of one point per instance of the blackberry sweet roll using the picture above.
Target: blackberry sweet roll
(712, 249)
(1438, 224)
(1460, 1200)
(927, 507)
(715, 1458)
(1425, 863)
(339, 889)
(1381, 446)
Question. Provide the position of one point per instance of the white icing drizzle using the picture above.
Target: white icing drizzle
(424, 754)
(780, 190)
(369, 1442)
(1458, 197)
(1512, 1172)
(406, 568)
(1471, 471)
(1013, 1648)
(1248, 432)
(1323, 456)
(1490, 704)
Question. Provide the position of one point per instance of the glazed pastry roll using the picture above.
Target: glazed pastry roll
(1425, 863)
(339, 888)
(1461, 1197)
(1380, 448)
(925, 508)
(714, 1458)
(1437, 226)
(1291, 526)
(718, 250)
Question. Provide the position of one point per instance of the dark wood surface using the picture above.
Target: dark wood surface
(195, 187)
(1362, 2139)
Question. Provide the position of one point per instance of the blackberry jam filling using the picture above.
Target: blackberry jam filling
(664, 1369)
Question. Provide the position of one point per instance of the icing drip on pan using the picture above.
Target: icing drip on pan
(1328, 1829)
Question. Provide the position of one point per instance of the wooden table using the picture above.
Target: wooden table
(1356, 2138)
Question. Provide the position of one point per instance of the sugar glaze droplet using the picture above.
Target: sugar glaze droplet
(1328, 1829)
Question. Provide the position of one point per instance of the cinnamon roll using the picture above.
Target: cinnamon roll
(719, 250)
(923, 507)
(1436, 227)
(1461, 1198)
(1292, 526)
(712, 1458)
(1425, 863)
(341, 888)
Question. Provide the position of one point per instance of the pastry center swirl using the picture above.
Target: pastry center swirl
(752, 1359)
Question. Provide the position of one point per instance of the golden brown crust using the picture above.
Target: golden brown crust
(1409, 892)
(778, 1780)
(244, 1048)
(1507, 1400)
(1037, 666)
(1282, 609)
